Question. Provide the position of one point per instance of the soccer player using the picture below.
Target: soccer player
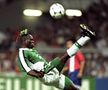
(35, 65)
(75, 65)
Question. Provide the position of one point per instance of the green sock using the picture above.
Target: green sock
(55, 63)
(58, 64)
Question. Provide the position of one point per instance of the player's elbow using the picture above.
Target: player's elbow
(31, 73)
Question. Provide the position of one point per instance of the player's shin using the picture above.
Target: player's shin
(75, 47)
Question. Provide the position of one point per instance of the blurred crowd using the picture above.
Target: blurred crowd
(96, 16)
(6, 2)
(54, 32)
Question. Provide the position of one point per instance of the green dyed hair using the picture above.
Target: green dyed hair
(22, 35)
(23, 32)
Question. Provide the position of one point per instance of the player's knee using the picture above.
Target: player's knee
(50, 81)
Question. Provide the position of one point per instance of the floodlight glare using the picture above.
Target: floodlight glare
(72, 12)
(32, 12)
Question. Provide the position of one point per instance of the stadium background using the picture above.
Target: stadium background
(50, 35)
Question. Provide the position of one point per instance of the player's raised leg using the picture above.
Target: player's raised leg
(60, 62)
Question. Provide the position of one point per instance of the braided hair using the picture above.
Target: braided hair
(22, 36)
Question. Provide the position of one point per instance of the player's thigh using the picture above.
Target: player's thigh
(51, 77)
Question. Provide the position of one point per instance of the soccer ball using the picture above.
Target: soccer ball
(56, 10)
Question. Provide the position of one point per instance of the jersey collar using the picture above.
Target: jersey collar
(24, 49)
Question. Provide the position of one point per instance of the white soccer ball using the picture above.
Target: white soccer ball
(56, 10)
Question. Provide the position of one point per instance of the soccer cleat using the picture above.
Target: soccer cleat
(86, 31)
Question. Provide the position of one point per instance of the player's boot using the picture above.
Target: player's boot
(86, 31)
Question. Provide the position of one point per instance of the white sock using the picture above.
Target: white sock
(75, 47)
(83, 40)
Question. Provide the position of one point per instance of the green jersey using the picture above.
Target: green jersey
(27, 57)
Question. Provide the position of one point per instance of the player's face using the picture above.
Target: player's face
(69, 44)
(29, 42)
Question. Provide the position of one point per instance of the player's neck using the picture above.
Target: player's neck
(23, 46)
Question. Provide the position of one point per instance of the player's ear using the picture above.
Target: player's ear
(26, 41)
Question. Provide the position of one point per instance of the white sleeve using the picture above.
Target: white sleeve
(39, 66)
(23, 62)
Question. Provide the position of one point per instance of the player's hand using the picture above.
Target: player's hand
(37, 74)
(79, 75)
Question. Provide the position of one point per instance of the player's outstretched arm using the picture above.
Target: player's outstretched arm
(36, 74)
